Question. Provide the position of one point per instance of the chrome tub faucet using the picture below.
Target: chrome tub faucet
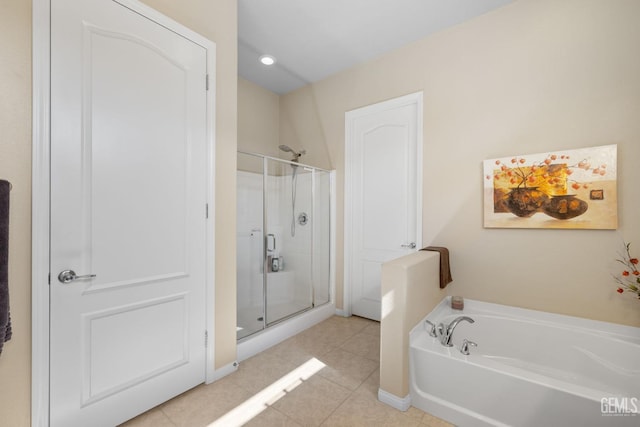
(445, 338)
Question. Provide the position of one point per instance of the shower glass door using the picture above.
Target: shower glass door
(283, 240)
(289, 235)
(250, 246)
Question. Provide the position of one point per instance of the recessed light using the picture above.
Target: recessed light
(267, 60)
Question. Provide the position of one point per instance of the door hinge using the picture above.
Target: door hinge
(206, 210)
(206, 339)
(207, 81)
(49, 278)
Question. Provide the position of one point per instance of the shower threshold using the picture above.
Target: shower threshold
(283, 329)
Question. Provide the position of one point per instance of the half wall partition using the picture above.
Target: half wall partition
(283, 235)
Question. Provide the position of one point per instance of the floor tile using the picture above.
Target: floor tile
(364, 345)
(291, 351)
(205, 403)
(416, 414)
(370, 386)
(152, 418)
(260, 371)
(313, 401)
(347, 369)
(317, 343)
(372, 329)
(353, 324)
(272, 418)
(359, 410)
(327, 375)
(431, 421)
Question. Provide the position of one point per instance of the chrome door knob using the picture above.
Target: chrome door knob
(68, 276)
(411, 245)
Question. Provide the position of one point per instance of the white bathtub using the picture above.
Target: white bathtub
(530, 368)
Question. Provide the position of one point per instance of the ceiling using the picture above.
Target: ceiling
(313, 39)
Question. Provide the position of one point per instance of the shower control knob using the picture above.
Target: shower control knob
(411, 245)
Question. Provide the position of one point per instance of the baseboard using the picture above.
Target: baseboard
(400, 403)
(224, 371)
(340, 312)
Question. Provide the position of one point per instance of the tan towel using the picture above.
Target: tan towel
(445, 269)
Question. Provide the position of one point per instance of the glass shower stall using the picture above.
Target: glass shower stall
(283, 235)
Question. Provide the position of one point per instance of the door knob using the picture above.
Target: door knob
(411, 245)
(68, 276)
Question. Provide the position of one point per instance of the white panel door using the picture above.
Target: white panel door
(128, 198)
(382, 175)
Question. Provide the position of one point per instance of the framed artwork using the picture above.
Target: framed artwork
(574, 189)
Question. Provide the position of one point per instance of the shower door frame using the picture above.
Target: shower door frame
(331, 284)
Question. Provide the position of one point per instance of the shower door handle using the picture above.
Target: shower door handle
(271, 238)
(411, 245)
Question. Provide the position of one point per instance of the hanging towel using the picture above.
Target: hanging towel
(445, 269)
(5, 318)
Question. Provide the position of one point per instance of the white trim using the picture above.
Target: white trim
(220, 373)
(211, 223)
(416, 99)
(419, 101)
(400, 403)
(163, 20)
(348, 217)
(332, 238)
(40, 213)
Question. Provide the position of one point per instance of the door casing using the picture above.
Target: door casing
(350, 116)
(41, 154)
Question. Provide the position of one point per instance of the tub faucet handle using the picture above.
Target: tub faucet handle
(434, 331)
(464, 349)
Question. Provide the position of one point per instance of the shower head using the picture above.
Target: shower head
(296, 155)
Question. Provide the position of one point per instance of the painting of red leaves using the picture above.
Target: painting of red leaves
(574, 189)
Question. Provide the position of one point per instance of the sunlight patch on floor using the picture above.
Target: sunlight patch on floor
(269, 395)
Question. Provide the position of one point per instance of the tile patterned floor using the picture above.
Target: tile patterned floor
(327, 376)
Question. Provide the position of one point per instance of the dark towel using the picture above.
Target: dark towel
(5, 318)
(445, 269)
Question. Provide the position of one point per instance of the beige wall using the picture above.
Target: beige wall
(301, 128)
(535, 76)
(215, 20)
(410, 290)
(261, 127)
(258, 119)
(15, 166)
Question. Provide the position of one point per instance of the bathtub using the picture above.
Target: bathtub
(529, 368)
